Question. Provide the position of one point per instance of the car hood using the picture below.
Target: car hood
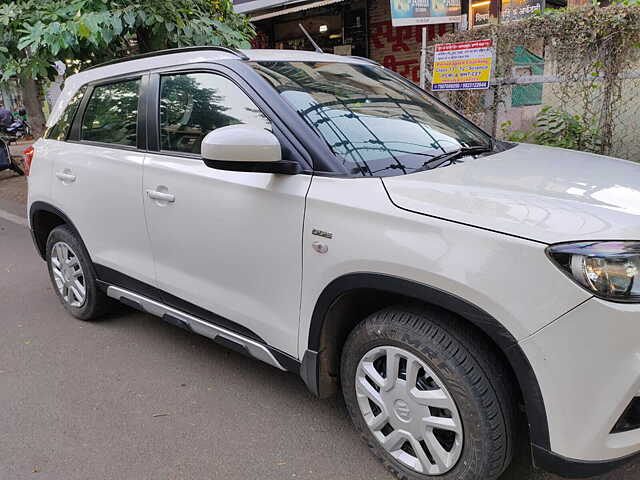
(539, 193)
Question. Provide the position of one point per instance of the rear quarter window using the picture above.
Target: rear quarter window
(61, 129)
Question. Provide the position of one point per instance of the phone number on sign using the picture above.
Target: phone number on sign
(460, 86)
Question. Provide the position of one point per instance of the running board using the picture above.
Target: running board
(220, 335)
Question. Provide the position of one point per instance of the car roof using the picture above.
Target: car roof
(273, 55)
(184, 56)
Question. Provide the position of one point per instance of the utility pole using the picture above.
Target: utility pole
(423, 59)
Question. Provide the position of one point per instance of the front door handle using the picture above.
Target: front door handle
(66, 176)
(161, 196)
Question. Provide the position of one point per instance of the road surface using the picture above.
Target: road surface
(133, 398)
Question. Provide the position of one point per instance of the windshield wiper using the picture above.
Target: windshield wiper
(443, 158)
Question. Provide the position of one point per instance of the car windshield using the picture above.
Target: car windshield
(374, 122)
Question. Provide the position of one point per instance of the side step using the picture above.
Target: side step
(220, 335)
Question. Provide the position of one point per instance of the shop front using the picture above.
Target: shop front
(386, 31)
(337, 26)
(360, 28)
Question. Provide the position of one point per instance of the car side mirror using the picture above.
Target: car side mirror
(244, 148)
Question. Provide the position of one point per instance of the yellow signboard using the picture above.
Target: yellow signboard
(462, 66)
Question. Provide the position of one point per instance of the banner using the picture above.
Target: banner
(462, 66)
(480, 14)
(424, 12)
(514, 10)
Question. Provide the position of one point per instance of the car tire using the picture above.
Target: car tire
(73, 276)
(17, 165)
(462, 397)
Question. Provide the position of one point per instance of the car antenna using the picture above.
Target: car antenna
(315, 45)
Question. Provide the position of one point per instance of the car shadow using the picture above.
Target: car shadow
(269, 381)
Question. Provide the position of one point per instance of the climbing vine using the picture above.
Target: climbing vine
(589, 52)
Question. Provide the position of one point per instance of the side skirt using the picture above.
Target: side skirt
(218, 334)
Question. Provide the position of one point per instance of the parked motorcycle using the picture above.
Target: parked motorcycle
(7, 161)
(9, 134)
(18, 129)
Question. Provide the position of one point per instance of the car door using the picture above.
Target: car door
(98, 180)
(227, 244)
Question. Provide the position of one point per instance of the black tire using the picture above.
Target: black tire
(16, 166)
(96, 302)
(471, 371)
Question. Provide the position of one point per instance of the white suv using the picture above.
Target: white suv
(324, 215)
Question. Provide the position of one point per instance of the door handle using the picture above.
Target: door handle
(66, 176)
(161, 196)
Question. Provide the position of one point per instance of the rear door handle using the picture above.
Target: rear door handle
(66, 176)
(161, 196)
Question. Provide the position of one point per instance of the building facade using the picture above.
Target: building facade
(364, 27)
(360, 27)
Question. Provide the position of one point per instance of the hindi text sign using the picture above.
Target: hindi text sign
(424, 12)
(514, 10)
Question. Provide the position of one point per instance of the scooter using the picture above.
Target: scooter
(7, 162)
(12, 133)
(18, 129)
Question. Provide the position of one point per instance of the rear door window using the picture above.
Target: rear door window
(111, 115)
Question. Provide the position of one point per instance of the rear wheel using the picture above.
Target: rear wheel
(73, 276)
(429, 399)
(17, 165)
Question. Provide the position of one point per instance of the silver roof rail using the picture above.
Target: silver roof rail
(170, 51)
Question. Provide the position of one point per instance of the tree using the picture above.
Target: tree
(27, 67)
(36, 33)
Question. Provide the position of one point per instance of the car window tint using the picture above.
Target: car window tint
(194, 104)
(60, 130)
(111, 114)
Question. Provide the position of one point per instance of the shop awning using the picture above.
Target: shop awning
(246, 6)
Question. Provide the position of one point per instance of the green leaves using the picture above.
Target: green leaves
(36, 33)
(129, 18)
(590, 51)
(116, 24)
(32, 37)
(83, 30)
(558, 128)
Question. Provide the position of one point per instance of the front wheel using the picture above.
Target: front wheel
(429, 398)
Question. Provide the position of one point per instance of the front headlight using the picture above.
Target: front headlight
(610, 270)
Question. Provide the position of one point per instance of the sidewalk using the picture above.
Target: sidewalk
(13, 188)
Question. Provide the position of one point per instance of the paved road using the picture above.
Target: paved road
(134, 398)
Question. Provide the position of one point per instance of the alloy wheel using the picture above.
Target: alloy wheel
(68, 275)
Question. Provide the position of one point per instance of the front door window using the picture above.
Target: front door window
(194, 104)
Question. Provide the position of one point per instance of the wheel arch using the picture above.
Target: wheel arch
(43, 218)
(345, 298)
